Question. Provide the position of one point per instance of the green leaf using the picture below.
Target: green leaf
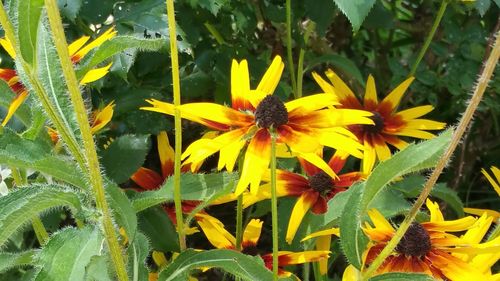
(67, 254)
(138, 252)
(97, 269)
(482, 6)
(412, 186)
(14, 260)
(399, 276)
(340, 62)
(124, 156)
(199, 187)
(28, 20)
(156, 225)
(118, 45)
(355, 10)
(49, 73)
(352, 238)
(23, 204)
(232, 262)
(69, 8)
(122, 209)
(390, 203)
(27, 154)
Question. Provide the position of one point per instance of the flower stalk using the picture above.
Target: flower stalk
(177, 123)
(481, 85)
(300, 67)
(291, 66)
(94, 172)
(274, 206)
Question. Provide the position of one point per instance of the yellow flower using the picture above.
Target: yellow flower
(304, 125)
(220, 238)
(389, 124)
(495, 183)
(77, 51)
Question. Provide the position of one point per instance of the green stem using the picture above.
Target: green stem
(177, 123)
(95, 176)
(300, 67)
(428, 40)
(274, 207)
(291, 66)
(481, 85)
(239, 222)
(64, 131)
(215, 33)
(40, 232)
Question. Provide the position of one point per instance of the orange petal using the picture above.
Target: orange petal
(147, 178)
(166, 154)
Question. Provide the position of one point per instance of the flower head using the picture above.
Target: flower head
(304, 125)
(220, 238)
(77, 51)
(388, 125)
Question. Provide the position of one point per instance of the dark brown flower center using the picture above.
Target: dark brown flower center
(378, 126)
(251, 250)
(271, 112)
(320, 182)
(416, 241)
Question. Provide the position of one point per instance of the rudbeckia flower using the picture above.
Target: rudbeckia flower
(313, 190)
(77, 50)
(388, 125)
(495, 183)
(220, 238)
(304, 125)
(429, 247)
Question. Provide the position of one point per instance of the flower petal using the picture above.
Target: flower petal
(451, 226)
(424, 124)
(479, 212)
(435, 212)
(303, 204)
(107, 35)
(493, 182)
(272, 76)
(252, 232)
(369, 158)
(166, 154)
(103, 117)
(340, 142)
(147, 178)
(341, 89)
(414, 133)
(95, 74)
(215, 232)
(8, 47)
(370, 100)
(14, 105)
(351, 274)
(77, 44)
(240, 86)
(311, 103)
(392, 99)
(299, 142)
(288, 258)
(415, 112)
(323, 244)
(327, 232)
(257, 160)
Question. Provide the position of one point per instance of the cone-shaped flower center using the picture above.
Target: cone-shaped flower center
(378, 126)
(416, 241)
(320, 182)
(271, 112)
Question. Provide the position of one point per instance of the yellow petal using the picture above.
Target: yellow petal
(323, 244)
(435, 212)
(477, 232)
(317, 161)
(229, 153)
(415, 112)
(303, 204)
(451, 226)
(479, 212)
(493, 182)
(312, 102)
(369, 158)
(77, 44)
(325, 86)
(371, 91)
(414, 133)
(340, 142)
(166, 154)
(159, 259)
(14, 105)
(288, 258)
(351, 274)
(251, 234)
(272, 76)
(379, 221)
(215, 232)
(107, 35)
(395, 96)
(383, 151)
(424, 124)
(326, 232)
(8, 47)
(341, 89)
(240, 84)
(95, 74)
(102, 118)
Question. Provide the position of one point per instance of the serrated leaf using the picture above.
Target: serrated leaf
(122, 209)
(232, 262)
(482, 6)
(49, 73)
(399, 276)
(23, 204)
(69, 8)
(27, 154)
(355, 10)
(157, 226)
(138, 252)
(352, 238)
(67, 254)
(29, 13)
(199, 187)
(124, 156)
(14, 260)
(118, 45)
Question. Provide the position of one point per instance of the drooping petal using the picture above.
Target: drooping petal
(337, 161)
(424, 124)
(229, 153)
(14, 105)
(451, 226)
(369, 158)
(340, 142)
(289, 258)
(147, 178)
(476, 232)
(251, 234)
(257, 160)
(370, 101)
(435, 212)
(415, 112)
(102, 117)
(323, 243)
(318, 161)
(240, 86)
(95, 74)
(479, 212)
(107, 35)
(493, 182)
(327, 232)
(382, 229)
(215, 232)
(393, 98)
(166, 154)
(77, 44)
(395, 141)
(272, 76)
(303, 204)
(8, 47)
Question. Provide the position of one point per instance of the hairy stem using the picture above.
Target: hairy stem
(177, 123)
(239, 222)
(274, 207)
(94, 171)
(481, 85)
(291, 66)
(300, 67)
